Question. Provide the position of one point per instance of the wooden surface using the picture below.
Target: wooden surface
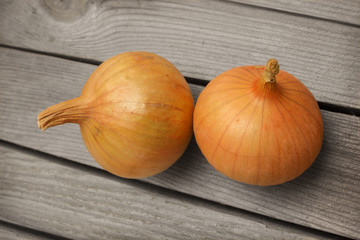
(202, 38)
(327, 193)
(13, 232)
(87, 204)
(346, 12)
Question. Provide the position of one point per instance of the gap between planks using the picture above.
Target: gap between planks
(12, 231)
(323, 105)
(156, 189)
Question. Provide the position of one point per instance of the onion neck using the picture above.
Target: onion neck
(71, 111)
(268, 78)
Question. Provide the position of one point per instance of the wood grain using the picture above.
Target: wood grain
(75, 203)
(10, 233)
(202, 38)
(338, 10)
(325, 197)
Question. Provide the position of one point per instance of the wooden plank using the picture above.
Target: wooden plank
(7, 232)
(326, 197)
(72, 202)
(202, 38)
(338, 10)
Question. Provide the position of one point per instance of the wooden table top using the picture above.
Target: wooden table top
(50, 186)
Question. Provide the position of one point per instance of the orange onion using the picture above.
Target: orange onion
(258, 125)
(135, 114)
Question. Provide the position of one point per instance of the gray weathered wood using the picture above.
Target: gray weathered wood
(345, 11)
(72, 202)
(202, 38)
(11, 233)
(326, 197)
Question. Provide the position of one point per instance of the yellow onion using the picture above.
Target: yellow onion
(135, 114)
(258, 125)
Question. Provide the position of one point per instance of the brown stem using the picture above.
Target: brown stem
(71, 111)
(270, 71)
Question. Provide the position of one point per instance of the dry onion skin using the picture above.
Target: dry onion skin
(135, 114)
(258, 125)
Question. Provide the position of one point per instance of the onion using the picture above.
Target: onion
(258, 125)
(135, 114)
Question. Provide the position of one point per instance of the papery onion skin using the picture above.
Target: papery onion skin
(258, 127)
(135, 114)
